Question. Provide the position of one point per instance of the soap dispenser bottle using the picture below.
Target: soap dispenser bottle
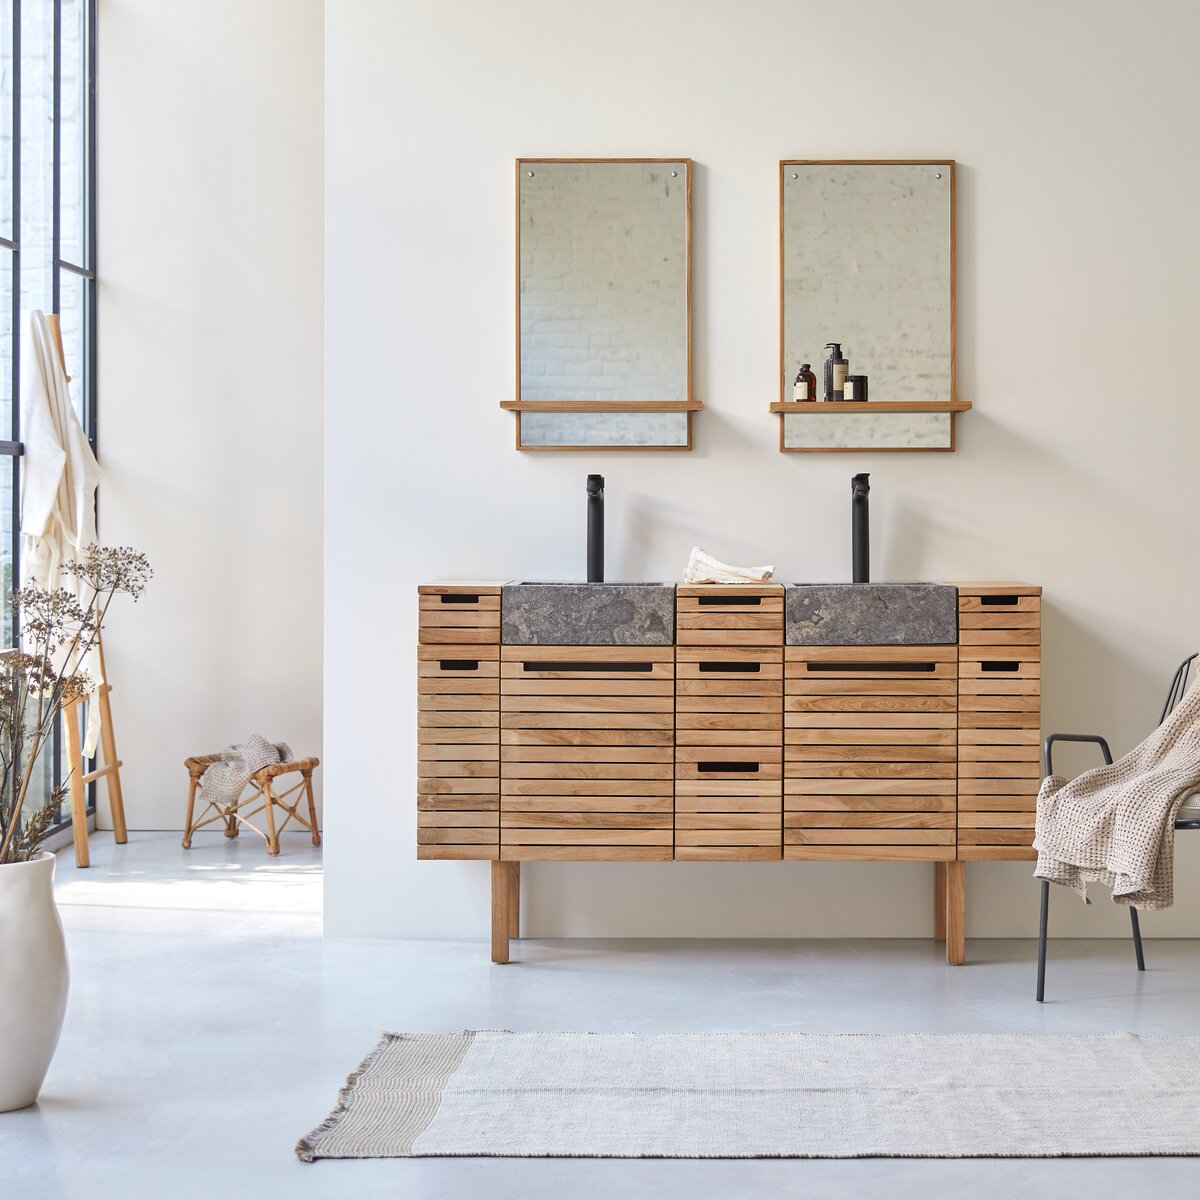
(804, 390)
(836, 369)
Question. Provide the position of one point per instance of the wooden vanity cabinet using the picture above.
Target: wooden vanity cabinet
(729, 723)
(728, 745)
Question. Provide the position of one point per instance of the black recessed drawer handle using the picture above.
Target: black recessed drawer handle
(1008, 600)
(725, 601)
(906, 667)
(460, 598)
(1000, 666)
(742, 768)
(459, 664)
(731, 668)
(589, 666)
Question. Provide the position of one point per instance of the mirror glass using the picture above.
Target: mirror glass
(603, 299)
(866, 254)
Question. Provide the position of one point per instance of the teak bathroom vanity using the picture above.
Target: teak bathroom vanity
(728, 723)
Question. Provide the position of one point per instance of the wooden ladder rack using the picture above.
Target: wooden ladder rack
(110, 772)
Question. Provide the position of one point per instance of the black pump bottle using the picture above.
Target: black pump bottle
(836, 370)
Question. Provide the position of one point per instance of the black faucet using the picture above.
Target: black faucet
(595, 529)
(860, 516)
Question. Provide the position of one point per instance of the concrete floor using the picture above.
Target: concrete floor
(210, 1026)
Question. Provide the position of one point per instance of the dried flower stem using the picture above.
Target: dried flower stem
(45, 673)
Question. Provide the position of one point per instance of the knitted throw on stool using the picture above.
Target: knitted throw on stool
(223, 781)
(1116, 825)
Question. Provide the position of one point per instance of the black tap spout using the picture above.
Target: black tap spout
(860, 515)
(595, 529)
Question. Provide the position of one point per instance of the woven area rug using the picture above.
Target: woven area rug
(774, 1095)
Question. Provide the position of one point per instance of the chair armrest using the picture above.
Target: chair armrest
(1048, 747)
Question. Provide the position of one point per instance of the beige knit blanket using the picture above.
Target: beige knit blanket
(1116, 825)
(223, 782)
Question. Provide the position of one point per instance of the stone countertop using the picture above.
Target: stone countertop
(870, 614)
(587, 614)
(643, 614)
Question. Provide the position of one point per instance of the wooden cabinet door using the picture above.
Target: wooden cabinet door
(870, 743)
(586, 755)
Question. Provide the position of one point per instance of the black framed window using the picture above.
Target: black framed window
(47, 235)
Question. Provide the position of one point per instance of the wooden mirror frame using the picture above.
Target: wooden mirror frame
(687, 405)
(952, 406)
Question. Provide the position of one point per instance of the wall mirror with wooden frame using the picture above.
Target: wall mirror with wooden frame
(604, 290)
(866, 254)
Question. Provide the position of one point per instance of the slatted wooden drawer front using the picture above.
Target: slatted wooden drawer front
(998, 618)
(1000, 684)
(586, 757)
(870, 745)
(458, 614)
(458, 751)
(729, 615)
(728, 761)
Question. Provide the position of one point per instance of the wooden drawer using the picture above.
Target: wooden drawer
(870, 746)
(586, 752)
(999, 615)
(1000, 685)
(728, 754)
(729, 615)
(462, 613)
(458, 751)
(998, 782)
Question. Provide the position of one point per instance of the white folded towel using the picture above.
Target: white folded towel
(703, 568)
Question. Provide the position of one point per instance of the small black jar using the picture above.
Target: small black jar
(856, 389)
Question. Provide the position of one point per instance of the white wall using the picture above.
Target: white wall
(1075, 125)
(210, 250)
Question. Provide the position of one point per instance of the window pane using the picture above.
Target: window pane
(6, 546)
(30, 278)
(73, 182)
(37, 153)
(7, 81)
(41, 785)
(72, 311)
(6, 345)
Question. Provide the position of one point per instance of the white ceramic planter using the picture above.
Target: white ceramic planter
(33, 979)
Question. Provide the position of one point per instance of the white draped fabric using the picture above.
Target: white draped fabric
(59, 473)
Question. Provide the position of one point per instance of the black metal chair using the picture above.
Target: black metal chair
(1179, 685)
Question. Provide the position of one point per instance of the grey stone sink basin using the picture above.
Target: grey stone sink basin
(587, 614)
(870, 614)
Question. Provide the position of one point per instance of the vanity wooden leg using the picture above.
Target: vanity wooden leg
(514, 901)
(939, 901)
(956, 900)
(502, 873)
